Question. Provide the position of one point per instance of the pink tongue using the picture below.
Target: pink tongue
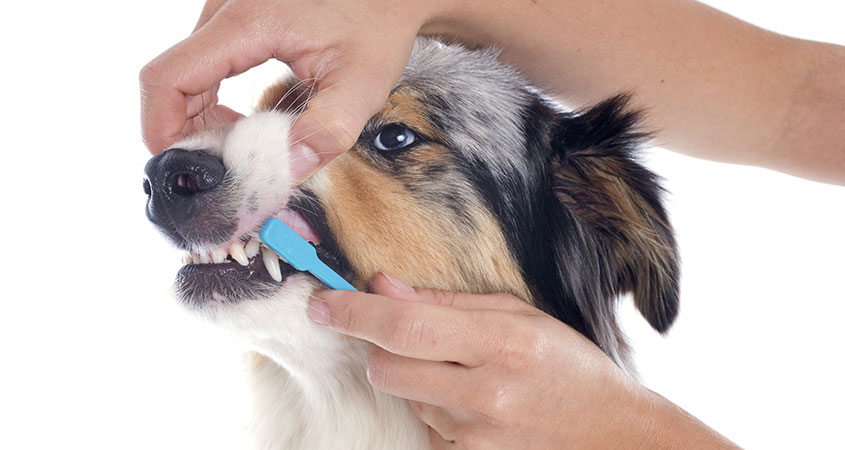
(297, 223)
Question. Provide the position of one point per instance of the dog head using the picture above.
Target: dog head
(468, 179)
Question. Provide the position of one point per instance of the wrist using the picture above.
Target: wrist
(651, 421)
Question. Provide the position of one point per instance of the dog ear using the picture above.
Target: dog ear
(597, 177)
(287, 95)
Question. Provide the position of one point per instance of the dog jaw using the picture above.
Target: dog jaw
(310, 383)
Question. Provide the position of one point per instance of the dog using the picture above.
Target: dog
(468, 179)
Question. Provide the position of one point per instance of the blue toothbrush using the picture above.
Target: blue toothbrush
(299, 253)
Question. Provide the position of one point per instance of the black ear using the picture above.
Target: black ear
(597, 177)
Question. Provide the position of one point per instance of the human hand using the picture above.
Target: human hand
(491, 371)
(353, 52)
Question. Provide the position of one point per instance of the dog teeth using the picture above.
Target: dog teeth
(218, 256)
(204, 258)
(271, 262)
(251, 248)
(238, 254)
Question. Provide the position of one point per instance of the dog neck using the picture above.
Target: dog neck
(308, 401)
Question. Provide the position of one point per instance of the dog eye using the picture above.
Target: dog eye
(394, 137)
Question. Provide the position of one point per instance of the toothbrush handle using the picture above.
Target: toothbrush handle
(329, 277)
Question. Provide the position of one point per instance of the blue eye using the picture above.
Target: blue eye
(394, 137)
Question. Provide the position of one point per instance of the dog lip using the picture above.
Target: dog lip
(199, 284)
(230, 267)
(227, 281)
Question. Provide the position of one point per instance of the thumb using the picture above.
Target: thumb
(346, 99)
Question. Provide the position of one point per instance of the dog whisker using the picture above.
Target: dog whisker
(295, 88)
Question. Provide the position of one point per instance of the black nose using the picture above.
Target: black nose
(180, 183)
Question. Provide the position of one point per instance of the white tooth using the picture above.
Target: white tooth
(238, 254)
(252, 247)
(204, 258)
(219, 256)
(271, 262)
(187, 260)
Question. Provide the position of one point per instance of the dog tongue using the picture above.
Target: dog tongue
(296, 221)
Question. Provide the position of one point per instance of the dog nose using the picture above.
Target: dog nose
(178, 183)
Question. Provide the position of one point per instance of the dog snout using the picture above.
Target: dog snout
(179, 183)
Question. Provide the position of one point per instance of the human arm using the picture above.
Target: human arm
(713, 86)
(491, 371)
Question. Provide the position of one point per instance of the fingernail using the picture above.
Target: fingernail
(318, 311)
(399, 284)
(303, 161)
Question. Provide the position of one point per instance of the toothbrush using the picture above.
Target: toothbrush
(299, 253)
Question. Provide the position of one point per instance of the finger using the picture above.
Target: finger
(349, 92)
(438, 442)
(391, 286)
(439, 420)
(221, 114)
(210, 119)
(192, 67)
(432, 382)
(413, 329)
(213, 118)
(202, 102)
(208, 11)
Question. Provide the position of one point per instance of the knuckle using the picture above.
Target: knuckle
(342, 130)
(345, 137)
(337, 121)
(341, 316)
(406, 332)
(525, 344)
(444, 298)
(379, 369)
(238, 15)
(418, 408)
(149, 74)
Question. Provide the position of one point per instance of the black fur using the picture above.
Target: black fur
(584, 258)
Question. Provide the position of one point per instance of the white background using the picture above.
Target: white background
(95, 354)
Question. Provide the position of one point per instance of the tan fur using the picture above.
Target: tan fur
(285, 95)
(403, 107)
(381, 227)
